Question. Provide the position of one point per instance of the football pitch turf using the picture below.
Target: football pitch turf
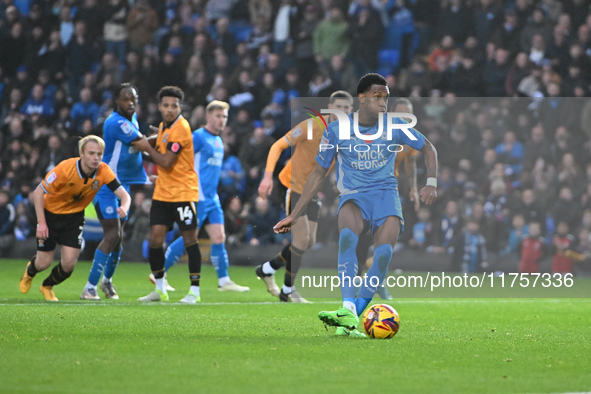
(243, 343)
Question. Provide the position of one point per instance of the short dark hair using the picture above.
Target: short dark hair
(120, 88)
(171, 91)
(368, 80)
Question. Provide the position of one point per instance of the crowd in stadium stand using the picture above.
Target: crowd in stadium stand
(504, 162)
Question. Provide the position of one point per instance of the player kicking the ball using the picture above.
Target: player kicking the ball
(369, 197)
(209, 154)
(60, 200)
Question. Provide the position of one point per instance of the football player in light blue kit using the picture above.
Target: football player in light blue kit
(123, 146)
(209, 155)
(369, 199)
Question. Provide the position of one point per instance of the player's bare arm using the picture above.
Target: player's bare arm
(266, 186)
(141, 143)
(165, 160)
(125, 201)
(429, 193)
(410, 168)
(310, 190)
(152, 139)
(39, 200)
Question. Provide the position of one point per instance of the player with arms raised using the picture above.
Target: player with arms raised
(123, 142)
(60, 200)
(304, 231)
(209, 155)
(369, 197)
(176, 193)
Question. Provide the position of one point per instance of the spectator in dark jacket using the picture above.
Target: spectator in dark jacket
(455, 20)
(495, 73)
(81, 55)
(261, 223)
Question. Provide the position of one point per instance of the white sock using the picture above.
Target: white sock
(287, 290)
(350, 306)
(267, 269)
(89, 286)
(223, 280)
(105, 279)
(195, 290)
(161, 285)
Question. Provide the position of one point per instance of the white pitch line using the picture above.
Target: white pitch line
(3, 302)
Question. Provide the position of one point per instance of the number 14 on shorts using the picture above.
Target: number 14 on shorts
(185, 214)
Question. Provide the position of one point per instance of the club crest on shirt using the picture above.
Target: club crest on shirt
(95, 185)
(165, 138)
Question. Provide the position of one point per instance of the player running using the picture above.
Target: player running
(209, 155)
(304, 231)
(123, 143)
(369, 195)
(176, 193)
(60, 200)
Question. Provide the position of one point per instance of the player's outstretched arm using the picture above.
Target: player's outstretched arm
(266, 186)
(429, 193)
(125, 201)
(310, 190)
(39, 200)
(141, 144)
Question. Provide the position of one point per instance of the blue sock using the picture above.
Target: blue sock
(98, 266)
(219, 259)
(112, 263)
(381, 260)
(347, 263)
(173, 253)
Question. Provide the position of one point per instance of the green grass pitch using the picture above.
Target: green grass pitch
(250, 343)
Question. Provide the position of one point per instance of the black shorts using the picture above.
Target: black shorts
(168, 213)
(312, 210)
(64, 229)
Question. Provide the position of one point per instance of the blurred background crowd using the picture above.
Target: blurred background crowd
(523, 157)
